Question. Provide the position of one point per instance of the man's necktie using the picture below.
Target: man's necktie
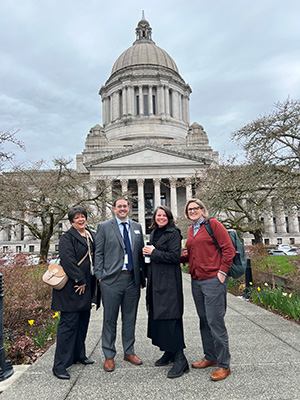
(127, 247)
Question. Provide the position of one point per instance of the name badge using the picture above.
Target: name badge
(126, 259)
(137, 232)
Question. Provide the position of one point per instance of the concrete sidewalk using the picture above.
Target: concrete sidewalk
(265, 351)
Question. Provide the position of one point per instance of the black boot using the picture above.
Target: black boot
(180, 365)
(165, 359)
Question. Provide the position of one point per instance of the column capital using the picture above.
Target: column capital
(157, 181)
(140, 181)
(173, 182)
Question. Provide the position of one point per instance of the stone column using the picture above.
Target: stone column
(109, 198)
(180, 106)
(167, 101)
(268, 219)
(156, 192)
(160, 101)
(280, 217)
(124, 101)
(130, 100)
(187, 110)
(124, 183)
(141, 100)
(173, 195)
(141, 203)
(104, 111)
(150, 103)
(110, 105)
(188, 189)
(293, 220)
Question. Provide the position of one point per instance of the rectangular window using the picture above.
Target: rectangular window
(22, 232)
(267, 242)
(146, 111)
(163, 199)
(5, 249)
(31, 248)
(274, 225)
(171, 103)
(149, 203)
(18, 249)
(154, 104)
(137, 98)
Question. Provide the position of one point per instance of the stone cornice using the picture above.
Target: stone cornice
(138, 148)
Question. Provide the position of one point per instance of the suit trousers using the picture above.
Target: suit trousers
(124, 294)
(70, 342)
(211, 302)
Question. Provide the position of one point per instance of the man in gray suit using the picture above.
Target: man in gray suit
(119, 267)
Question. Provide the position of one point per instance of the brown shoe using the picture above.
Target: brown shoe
(204, 363)
(220, 373)
(109, 365)
(133, 359)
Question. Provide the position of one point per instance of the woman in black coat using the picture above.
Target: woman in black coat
(76, 246)
(164, 291)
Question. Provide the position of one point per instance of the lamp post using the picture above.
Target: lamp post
(6, 368)
(248, 279)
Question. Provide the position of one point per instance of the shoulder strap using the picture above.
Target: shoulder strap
(210, 232)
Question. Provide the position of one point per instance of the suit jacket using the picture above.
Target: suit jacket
(72, 248)
(109, 256)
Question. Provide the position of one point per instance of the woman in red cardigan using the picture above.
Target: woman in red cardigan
(208, 270)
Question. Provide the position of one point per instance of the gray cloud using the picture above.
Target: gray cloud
(240, 57)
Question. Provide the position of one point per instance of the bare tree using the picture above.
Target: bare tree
(274, 138)
(40, 198)
(8, 137)
(239, 195)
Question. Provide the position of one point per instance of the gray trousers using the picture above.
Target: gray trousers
(124, 294)
(210, 300)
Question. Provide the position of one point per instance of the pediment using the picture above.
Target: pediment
(144, 157)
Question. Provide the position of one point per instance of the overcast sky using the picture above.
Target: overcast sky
(239, 57)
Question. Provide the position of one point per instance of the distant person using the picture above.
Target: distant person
(76, 252)
(208, 270)
(164, 291)
(119, 267)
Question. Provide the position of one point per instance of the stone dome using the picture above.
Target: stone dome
(144, 51)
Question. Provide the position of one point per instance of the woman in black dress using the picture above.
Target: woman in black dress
(76, 246)
(164, 291)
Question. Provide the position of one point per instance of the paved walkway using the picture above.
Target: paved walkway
(265, 352)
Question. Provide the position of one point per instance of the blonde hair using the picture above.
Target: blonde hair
(200, 204)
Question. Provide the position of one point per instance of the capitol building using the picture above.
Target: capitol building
(147, 147)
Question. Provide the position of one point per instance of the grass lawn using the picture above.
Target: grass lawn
(276, 264)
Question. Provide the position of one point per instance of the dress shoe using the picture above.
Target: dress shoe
(165, 359)
(220, 374)
(109, 365)
(204, 363)
(63, 375)
(180, 365)
(133, 359)
(86, 361)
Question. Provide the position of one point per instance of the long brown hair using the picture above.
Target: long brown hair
(169, 215)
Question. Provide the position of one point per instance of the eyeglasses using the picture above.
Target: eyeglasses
(193, 209)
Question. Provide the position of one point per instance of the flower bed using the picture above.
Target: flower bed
(29, 324)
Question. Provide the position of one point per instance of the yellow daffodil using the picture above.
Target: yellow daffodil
(31, 321)
(258, 289)
(55, 315)
(284, 294)
(250, 283)
(290, 295)
(266, 284)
